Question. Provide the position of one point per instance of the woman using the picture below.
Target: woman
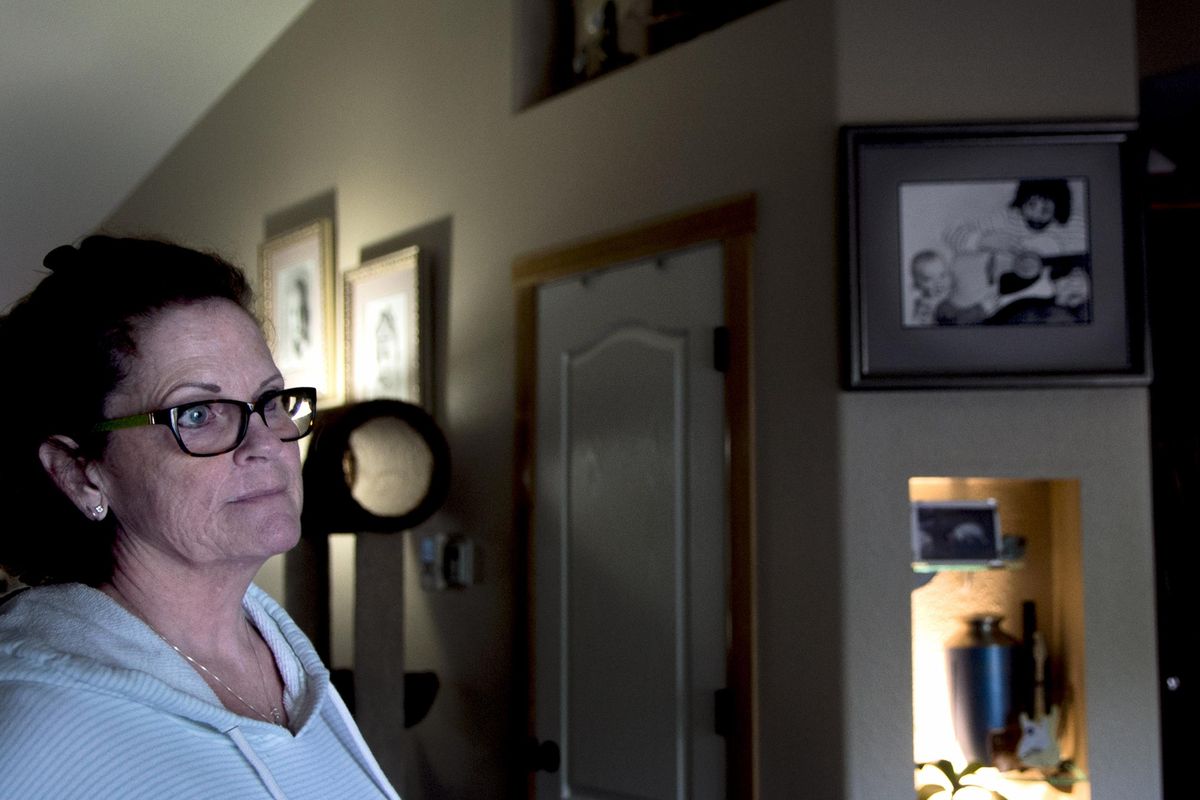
(151, 468)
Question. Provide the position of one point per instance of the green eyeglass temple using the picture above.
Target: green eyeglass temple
(300, 399)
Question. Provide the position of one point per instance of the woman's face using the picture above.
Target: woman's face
(239, 507)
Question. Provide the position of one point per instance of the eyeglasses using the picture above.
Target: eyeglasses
(213, 427)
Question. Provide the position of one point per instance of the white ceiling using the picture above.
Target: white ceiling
(94, 93)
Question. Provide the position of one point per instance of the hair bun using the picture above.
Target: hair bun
(61, 256)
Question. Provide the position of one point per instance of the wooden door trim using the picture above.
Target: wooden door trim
(732, 223)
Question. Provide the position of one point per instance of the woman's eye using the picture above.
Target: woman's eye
(194, 417)
(273, 406)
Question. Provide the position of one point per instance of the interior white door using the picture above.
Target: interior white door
(630, 530)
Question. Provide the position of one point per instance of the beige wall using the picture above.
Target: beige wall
(403, 111)
(981, 60)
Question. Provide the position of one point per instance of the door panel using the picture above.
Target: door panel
(630, 530)
(622, 544)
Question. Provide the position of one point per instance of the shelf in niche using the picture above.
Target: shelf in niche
(924, 573)
(1065, 779)
(922, 567)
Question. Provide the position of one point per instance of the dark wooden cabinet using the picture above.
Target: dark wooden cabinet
(1173, 276)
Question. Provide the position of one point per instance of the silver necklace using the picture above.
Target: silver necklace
(275, 717)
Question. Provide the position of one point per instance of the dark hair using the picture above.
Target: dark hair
(64, 347)
(1055, 190)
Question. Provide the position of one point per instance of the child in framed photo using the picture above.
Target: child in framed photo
(383, 321)
(296, 278)
(389, 370)
(295, 326)
(1010, 252)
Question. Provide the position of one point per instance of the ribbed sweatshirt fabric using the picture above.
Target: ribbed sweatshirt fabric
(94, 704)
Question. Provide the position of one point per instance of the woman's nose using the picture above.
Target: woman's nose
(259, 436)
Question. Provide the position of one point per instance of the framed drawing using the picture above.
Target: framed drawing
(955, 533)
(384, 339)
(992, 255)
(297, 304)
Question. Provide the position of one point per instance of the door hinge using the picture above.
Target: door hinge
(721, 348)
(723, 712)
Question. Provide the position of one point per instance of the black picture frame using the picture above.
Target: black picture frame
(955, 533)
(1023, 306)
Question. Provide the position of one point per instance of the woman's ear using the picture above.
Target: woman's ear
(68, 468)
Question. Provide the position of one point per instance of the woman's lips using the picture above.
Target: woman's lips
(260, 494)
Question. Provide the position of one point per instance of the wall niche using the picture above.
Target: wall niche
(1039, 588)
(561, 44)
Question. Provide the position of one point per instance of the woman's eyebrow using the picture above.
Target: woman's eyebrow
(208, 387)
(265, 385)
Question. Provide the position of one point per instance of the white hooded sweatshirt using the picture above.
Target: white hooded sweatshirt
(94, 704)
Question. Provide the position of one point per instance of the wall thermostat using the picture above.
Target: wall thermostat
(447, 562)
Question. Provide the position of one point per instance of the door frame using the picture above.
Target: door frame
(732, 223)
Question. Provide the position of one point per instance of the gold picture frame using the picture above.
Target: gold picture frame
(296, 302)
(384, 343)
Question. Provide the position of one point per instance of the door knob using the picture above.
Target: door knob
(542, 756)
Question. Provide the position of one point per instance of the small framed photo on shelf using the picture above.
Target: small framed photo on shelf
(992, 255)
(297, 304)
(384, 337)
(960, 534)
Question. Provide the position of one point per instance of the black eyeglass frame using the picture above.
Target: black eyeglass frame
(170, 416)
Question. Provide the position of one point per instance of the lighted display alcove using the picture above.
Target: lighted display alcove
(1046, 514)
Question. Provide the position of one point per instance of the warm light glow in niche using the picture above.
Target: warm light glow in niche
(1046, 514)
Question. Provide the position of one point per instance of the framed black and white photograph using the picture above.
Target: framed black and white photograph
(992, 255)
(952, 533)
(383, 329)
(297, 304)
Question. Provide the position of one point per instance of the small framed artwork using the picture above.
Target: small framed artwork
(992, 255)
(955, 533)
(384, 340)
(297, 304)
